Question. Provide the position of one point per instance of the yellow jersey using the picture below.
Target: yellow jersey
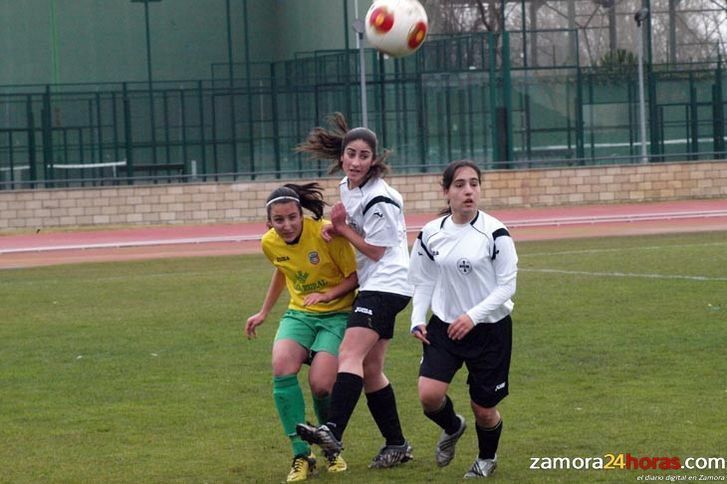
(312, 265)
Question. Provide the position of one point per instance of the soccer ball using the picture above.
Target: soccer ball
(396, 27)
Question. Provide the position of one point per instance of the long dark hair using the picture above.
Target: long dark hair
(308, 196)
(448, 177)
(329, 143)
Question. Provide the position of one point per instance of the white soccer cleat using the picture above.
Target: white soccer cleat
(482, 468)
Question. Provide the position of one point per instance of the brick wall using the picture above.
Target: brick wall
(244, 201)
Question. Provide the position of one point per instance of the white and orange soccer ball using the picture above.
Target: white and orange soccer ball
(396, 27)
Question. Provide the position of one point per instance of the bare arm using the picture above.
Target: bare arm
(338, 219)
(277, 284)
(342, 288)
(373, 252)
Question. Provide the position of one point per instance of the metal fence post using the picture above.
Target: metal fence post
(507, 95)
(32, 159)
(492, 82)
(47, 127)
(276, 119)
(718, 110)
(128, 142)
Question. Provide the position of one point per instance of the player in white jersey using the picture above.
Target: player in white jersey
(464, 268)
(371, 217)
(375, 213)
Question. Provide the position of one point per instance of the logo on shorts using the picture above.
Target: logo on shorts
(464, 266)
(313, 257)
(500, 386)
(359, 309)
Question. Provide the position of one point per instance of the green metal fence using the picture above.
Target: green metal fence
(458, 97)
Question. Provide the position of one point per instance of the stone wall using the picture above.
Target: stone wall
(244, 201)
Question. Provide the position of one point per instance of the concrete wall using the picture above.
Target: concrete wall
(244, 201)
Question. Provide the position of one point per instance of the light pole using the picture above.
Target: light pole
(640, 17)
(359, 28)
(148, 75)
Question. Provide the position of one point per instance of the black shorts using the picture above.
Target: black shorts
(377, 310)
(486, 352)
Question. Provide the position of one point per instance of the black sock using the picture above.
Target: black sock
(488, 440)
(382, 405)
(344, 398)
(445, 416)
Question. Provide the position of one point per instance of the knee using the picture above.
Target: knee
(431, 403)
(285, 366)
(372, 368)
(348, 354)
(486, 417)
(321, 385)
(319, 389)
(430, 400)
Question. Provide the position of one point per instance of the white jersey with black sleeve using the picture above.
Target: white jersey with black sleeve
(469, 268)
(376, 212)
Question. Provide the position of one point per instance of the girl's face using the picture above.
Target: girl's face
(287, 220)
(356, 160)
(463, 194)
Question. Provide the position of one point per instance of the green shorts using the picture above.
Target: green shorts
(314, 332)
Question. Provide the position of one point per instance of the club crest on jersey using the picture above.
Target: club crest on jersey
(313, 257)
(464, 266)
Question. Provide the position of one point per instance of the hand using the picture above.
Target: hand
(420, 333)
(328, 231)
(338, 215)
(460, 327)
(315, 298)
(253, 322)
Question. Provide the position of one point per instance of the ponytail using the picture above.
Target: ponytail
(308, 196)
(328, 144)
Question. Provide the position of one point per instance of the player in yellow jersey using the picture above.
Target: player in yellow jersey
(321, 279)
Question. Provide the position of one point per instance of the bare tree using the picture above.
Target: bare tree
(461, 16)
(682, 30)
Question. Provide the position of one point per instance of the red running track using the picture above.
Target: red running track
(46, 248)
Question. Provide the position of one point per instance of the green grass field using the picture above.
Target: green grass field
(139, 371)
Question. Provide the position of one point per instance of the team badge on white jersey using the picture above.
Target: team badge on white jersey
(464, 266)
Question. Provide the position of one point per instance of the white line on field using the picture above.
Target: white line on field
(619, 249)
(147, 275)
(627, 274)
(135, 243)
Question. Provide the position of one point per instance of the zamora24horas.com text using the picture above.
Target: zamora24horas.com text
(628, 461)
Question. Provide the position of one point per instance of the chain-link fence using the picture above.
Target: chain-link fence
(458, 97)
